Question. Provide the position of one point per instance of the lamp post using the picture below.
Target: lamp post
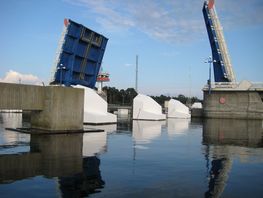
(210, 61)
(61, 67)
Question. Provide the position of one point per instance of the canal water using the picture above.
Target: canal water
(172, 158)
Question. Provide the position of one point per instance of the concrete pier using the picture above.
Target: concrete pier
(17, 96)
(52, 107)
(242, 101)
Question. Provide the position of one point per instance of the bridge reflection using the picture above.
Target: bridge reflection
(58, 156)
(224, 139)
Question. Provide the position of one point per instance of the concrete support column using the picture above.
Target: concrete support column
(63, 109)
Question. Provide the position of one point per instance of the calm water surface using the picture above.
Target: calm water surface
(173, 158)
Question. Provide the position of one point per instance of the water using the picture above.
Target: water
(173, 158)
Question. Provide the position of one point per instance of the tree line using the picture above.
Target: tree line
(125, 97)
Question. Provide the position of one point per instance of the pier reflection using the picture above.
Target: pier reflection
(84, 183)
(124, 124)
(59, 156)
(225, 138)
(233, 132)
(145, 131)
(50, 155)
(177, 126)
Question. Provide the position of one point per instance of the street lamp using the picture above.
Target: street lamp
(210, 61)
(61, 67)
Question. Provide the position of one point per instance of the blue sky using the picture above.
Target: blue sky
(169, 37)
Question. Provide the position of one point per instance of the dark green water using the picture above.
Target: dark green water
(173, 158)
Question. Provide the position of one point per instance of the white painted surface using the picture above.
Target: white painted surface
(145, 108)
(108, 128)
(176, 109)
(95, 108)
(123, 112)
(144, 132)
(94, 143)
(197, 105)
(176, 127)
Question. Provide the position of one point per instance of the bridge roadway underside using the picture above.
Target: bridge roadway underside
(53, 107)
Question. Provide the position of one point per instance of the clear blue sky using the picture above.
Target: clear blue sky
(169, 37)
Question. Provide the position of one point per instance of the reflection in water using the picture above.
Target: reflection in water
(233, 132)
(84, 183)
(145, 131)
(1, 119)
(50, 155)
(94, 143)
(223, 133)
(60, 154)
(54, 164)
(57, 156)
(108, 128)
(177, 126)
(124, 124)
(11, 120)
(218, 176)
(12, 142)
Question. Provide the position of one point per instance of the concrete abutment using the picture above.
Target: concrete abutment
(237, 104)
(54, 108)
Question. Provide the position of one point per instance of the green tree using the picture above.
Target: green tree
(125, 97)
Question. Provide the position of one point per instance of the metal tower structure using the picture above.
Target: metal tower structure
(223, 71)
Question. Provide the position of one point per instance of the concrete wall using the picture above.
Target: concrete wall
(63, 109)
(53, 107)
(17, 96)
(233, 104)
(196, 113)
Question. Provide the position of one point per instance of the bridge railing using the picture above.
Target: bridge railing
(234, 85)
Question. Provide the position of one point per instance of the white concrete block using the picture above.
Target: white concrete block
(95, 108)
(123, 112)
(197, 105)
(176, 109)
(145, 108)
